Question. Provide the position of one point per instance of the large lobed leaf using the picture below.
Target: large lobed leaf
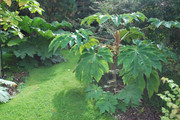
(94, 92)
(157, 23)
(132, 33)
(79, 41)
(107, 103)
(130, 95)
(142, 59)
(116, 19)
(93, 65)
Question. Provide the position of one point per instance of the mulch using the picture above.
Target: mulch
(140, 113)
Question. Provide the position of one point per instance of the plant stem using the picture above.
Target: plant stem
(116, 43)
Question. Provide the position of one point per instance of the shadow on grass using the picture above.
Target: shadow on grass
(71, 105)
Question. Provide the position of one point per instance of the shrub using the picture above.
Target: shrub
(172, 99)
(4, 95)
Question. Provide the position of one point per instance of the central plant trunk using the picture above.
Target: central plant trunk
(115, 57)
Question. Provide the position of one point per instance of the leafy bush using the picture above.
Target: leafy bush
(36, 45)
(172, 99)
(107, 102)
(140, 62)
(4, 95)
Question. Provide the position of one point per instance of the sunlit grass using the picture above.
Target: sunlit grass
(51, 93)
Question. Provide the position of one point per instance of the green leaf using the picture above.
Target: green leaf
(140, 15)
(122, 106)
(60, 40)
(107, 103)
(106, 54)
(90, 19)
(116, 19)
(132, 33)
(23, 2)
(142, 59)
(153, 83)
(91, 65)
(16, 41)
(167, 24)
(93, 92)
(103, 18)
(66, 24)
(130, 95)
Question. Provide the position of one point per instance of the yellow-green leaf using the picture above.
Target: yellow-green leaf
(8, 2)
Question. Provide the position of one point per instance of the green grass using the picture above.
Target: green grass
(51, 93)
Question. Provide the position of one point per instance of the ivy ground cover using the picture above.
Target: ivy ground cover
(51, 93)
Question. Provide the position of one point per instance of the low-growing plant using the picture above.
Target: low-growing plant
(172, 99)
(4, 95)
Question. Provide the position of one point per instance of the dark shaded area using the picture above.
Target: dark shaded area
(66, 104)
(140, 113)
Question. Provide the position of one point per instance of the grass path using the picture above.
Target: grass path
(51, 93)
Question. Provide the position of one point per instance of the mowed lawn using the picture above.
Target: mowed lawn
(52, 93)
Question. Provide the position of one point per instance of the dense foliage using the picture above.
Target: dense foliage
(172, 99)
(140, 62)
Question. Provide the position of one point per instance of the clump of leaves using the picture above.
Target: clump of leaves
(4, 95)
(141, 60)
(105, 101)
(172, 99)
(108, 102)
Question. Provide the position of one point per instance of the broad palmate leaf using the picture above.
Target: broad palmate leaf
(116, 19)
(141, 60)
(93, 64)
(107, 103)
(94, 92)
(130, 95)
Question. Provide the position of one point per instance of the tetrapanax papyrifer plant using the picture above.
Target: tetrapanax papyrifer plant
(141, 60)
